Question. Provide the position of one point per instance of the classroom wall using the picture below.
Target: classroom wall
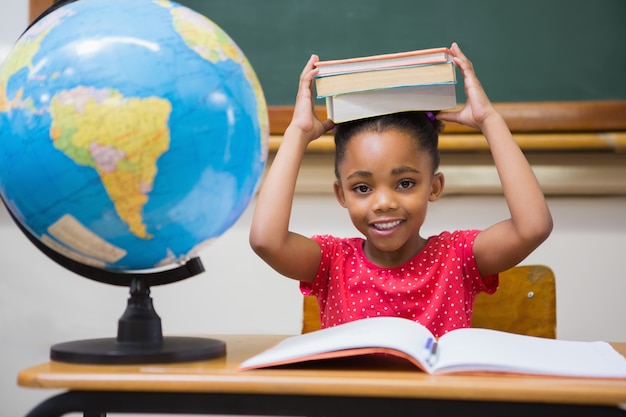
(42, 304)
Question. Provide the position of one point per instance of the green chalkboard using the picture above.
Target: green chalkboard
(523, 50)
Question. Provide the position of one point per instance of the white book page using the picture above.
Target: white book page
(380, 332)
(467, 350)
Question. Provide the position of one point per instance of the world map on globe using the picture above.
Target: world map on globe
(132, 133)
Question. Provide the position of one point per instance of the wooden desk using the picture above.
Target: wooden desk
(337, 389)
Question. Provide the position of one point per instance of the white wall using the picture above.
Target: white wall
(13, 21)
(42, 304)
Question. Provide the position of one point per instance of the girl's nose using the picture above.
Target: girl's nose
(384, 200)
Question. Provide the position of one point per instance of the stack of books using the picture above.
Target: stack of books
(362, 87)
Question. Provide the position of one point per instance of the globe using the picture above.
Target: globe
(132, 133)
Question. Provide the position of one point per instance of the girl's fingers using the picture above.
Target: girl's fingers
(310, 64)
(306, 78)
(309, 70)
(456, 50)
(461, 60)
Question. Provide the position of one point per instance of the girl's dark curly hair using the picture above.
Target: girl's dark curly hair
(417, 124)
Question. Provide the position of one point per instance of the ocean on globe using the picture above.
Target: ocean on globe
(132, 133)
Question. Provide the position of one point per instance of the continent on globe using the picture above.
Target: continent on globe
(120, 138)
(199, 33)
(69, 231)
(213, 44)
(22, 57)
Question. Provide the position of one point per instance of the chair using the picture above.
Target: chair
(525, 303)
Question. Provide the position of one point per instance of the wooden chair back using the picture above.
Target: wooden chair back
(525, 303)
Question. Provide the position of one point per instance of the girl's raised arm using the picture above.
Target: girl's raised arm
(289, 253)
(508, 242)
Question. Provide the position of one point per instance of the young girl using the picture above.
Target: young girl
(386, 169)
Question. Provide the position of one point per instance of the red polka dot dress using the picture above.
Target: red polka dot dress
(436, 287)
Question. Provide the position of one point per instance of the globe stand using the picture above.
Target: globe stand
(139, 339)
(139, 335)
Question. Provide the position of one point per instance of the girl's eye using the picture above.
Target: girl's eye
(361, 189)
(405, 184)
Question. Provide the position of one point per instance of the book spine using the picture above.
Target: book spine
(380, 65)
(440, 54)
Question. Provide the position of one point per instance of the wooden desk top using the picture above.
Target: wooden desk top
(341, 379)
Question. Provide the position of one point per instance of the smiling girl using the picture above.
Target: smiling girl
(387, 174)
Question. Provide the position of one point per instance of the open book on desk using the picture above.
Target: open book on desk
(471, 350)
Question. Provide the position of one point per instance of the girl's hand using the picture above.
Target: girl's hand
(477, 108)
(304, 117)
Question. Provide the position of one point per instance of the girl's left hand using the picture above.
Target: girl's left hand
(478, 107)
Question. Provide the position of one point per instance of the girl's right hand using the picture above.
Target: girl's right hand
(304, 118)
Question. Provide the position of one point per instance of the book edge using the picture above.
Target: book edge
(447, 75)
(384, 68)
(377, 65)
(337, 354)
(395, 55)
(399, 86)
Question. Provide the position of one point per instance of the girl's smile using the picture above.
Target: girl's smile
(385, 226)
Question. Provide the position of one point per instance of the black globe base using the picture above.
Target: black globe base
(139, 335)
(110, 351)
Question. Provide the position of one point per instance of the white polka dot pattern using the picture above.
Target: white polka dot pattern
(437, 287)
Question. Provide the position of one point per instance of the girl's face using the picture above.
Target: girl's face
(386, 182)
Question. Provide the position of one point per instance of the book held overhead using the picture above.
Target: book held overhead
(362, 87)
